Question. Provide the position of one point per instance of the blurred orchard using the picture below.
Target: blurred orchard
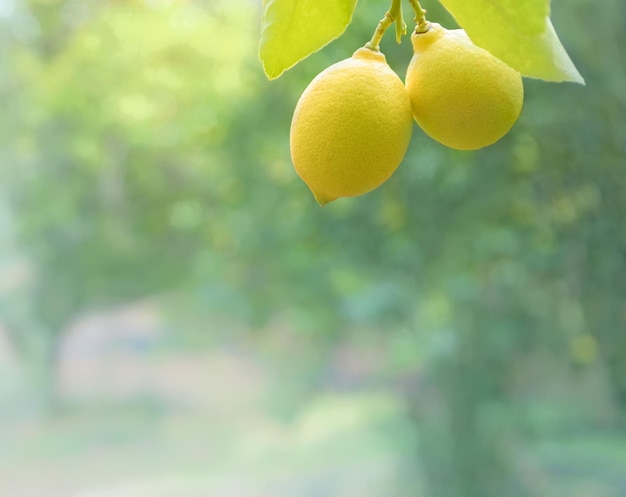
(179, 318)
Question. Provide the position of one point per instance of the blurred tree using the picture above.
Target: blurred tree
(116, 152)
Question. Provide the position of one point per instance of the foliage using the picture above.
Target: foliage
(519, 33)
(293, 30)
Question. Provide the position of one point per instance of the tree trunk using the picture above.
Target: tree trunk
(37, 345)
(465, 430)
(42, 365)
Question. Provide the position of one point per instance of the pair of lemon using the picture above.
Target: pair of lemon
(353, 123)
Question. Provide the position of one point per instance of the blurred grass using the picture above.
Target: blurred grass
(357, 441)
(332, 440)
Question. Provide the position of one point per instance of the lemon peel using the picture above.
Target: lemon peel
(462, 95)
(351, 127)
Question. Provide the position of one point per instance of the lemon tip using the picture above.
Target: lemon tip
(321, 199)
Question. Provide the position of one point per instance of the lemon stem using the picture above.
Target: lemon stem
(394, 14)
(421, 24)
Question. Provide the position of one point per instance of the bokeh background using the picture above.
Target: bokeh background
(180, 319)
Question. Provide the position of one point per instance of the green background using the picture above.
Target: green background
(180, 318)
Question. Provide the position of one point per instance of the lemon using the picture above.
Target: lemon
(351, 127)
(462, 95)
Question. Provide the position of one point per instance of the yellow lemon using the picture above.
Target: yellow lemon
(462, 95)
(351, 127)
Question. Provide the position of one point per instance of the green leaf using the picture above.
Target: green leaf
(294, 29)
(518, 32)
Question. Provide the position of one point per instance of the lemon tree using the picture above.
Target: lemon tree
(350, 129)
